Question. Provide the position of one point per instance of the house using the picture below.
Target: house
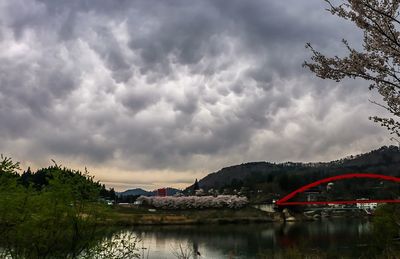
(366, 205)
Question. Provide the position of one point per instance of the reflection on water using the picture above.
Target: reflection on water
(249, 241)
(265, 207)
(338, 237)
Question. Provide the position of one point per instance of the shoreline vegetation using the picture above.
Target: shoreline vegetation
(130, 215)
(126, 216)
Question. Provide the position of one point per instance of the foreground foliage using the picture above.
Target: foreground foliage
(387, 226)
(379, 60)
(56, 216)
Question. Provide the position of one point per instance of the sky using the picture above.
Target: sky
(154, 93)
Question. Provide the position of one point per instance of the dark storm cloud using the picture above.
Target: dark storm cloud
(177, 85)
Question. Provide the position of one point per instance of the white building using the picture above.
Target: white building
(366, 205)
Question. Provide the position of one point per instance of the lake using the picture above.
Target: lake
(338, 236)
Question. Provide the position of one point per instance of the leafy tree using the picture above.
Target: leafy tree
(284, 182)
(59, 220)
(54, 213)
(108, 194)
(378, 62)
(7, 166)
(26, 176)
(386, 224)
(196, 185)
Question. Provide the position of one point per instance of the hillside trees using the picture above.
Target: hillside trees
(379, 60)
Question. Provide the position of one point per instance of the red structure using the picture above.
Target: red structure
(284, 201)
(162, 192)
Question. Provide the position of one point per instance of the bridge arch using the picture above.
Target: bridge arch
(284, 201)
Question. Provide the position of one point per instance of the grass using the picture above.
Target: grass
(142, 216)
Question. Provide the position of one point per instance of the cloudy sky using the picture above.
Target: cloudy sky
(150, 93)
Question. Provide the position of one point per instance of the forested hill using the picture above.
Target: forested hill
(278, 177)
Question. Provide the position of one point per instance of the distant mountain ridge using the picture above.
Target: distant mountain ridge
(141, 192)
(385, 160)
(134, 192)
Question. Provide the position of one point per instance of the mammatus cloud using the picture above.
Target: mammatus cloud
(171, 90)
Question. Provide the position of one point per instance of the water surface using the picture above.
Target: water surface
(339, 236)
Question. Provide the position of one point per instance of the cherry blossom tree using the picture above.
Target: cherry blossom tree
(195, 202)
(378, 61)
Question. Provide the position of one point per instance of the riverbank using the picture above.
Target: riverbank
(126, 216)
(129, 215)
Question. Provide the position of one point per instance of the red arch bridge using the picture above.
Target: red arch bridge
(285, 200)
